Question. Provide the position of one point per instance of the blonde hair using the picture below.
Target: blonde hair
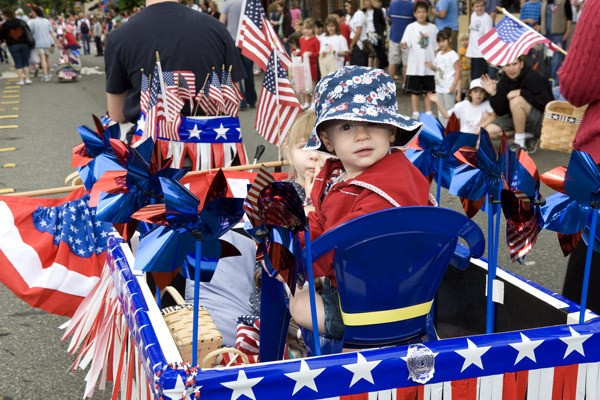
(299, 132)
(463, 36)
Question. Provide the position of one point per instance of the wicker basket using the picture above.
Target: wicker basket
(560, 123)
(179, 319)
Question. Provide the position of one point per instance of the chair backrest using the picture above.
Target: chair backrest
(388, 267)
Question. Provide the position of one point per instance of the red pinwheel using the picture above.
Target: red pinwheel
(435, 155)
(96, 154)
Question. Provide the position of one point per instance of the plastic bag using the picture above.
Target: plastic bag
(300, 75)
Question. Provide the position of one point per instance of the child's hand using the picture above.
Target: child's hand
(429, 65)
(309, 182)
(403, 45)
(458, 96)
(433, 97)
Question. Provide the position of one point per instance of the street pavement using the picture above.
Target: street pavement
(35, 363)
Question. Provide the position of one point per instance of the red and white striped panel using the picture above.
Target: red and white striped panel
(572, 382)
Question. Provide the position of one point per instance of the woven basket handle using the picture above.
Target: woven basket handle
(174, 294)
(215, 353)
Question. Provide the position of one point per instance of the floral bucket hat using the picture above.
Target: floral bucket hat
(356, 93)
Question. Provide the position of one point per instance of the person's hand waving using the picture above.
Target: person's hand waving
(489, 85)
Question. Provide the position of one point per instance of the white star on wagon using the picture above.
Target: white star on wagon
(472, 355)
(221, 132)
(242, 386)
(177, 392)
(575, 342)
(361, 369)
(195, 132)
(305, 377)
(526, 348)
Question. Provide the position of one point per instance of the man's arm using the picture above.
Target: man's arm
(115, 104)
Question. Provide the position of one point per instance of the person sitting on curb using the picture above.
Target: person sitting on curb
(518, 98)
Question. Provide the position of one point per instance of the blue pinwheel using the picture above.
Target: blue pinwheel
(96, 154)
(435, 158)
(185, 232)
(578, 209)
(121, 193)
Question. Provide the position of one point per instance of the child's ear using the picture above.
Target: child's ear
(325, 139)
(393, 135)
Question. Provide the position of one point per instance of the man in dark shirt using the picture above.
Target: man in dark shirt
(185, 40)
(518, 99)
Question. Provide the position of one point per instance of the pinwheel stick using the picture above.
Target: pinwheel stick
(311, 295)
(493, 234)
(438, 190)
(197, 262)
(588, 261)
(69, 189)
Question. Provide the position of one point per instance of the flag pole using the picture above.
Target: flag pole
(162, 87)
(278, 105)
(523, 24)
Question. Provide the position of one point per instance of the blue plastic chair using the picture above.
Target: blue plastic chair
(389, 265)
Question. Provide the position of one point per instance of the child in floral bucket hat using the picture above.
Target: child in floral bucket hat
(357, 121)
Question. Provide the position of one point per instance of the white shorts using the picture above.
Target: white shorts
(42, 51)
(397, 55)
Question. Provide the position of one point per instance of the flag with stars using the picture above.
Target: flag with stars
(509, 40)
(169, 128)
(214, 91)
(144, 94)
(183, 90)
(277, 106)
(230, 95)
(256, 37)
(204, 102)
(52, 251)
(156, 111)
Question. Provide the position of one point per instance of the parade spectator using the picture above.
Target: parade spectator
(21, 15)
(13, 33)
(358, 33)
(519, 99)
(531, 14)
(45, 38)
(557, 17)
(192, 4)
(184, 39)
(349, 186)
(446, 15)
(345, 30)
(295, 12)
(481, 23)
(97, 30)
(214, 9)
(491, 7)
(419, 40)
(465, 63)
(230, 16)
(376, 27)
(399, 15)
(285, 22)
(333, 43)
(310, 45)
(84, 30)
(581, 86)
(446, 66)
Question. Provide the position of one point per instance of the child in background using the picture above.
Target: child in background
(473, 113)
(447, 72)
(481, 23)
(419, 39)
(319, 29)
(309, 44)
(366, 174)
(334, 43)
(465, 64)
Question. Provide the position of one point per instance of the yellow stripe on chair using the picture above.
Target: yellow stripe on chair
(387, 316)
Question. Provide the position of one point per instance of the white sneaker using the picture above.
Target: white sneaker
(28, 81)
(20, 83)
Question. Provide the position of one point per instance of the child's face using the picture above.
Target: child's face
(444, 44)
(304, 162)
(464, 43)
(358, 145)
(306, 31)
(421, 15)
(298, 27)
(318, 30)
(479, 8)
(330, 29)
(477, 96)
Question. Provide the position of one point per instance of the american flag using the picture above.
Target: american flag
(230, 95)
(257, 38)
(509, 40)
(277, 105)
(52, 250)
(190, 78)
(214, 91)
(183, 90)
(204, 101)
(156, 111)
(169, 129)
(144, 94)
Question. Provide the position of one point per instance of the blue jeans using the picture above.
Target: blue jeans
(20, 54)
(557, 57)
(85, 40)
(248, 88)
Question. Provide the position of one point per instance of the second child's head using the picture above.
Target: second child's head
(478, 7)
(298, 26)
(476, 94)
(443, 38)
(332, 27)
(421, 11)
(301, 162)
(464, 40)
(357, 118)
(308, 27)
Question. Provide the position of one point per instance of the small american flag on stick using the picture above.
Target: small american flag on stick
(277, 105)
(230, 96)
